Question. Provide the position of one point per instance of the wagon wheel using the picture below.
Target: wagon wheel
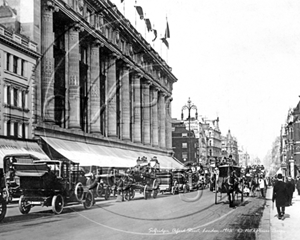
(3, 208)
(99, 190)
(89, 200)
(107, 193)
(79, 192)
(24, 207)
(57, 204)
(146, 192)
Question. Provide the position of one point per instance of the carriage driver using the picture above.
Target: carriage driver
(231, 182)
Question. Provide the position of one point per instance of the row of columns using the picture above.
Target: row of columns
(146, 120)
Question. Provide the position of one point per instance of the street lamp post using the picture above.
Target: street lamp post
(189, 106)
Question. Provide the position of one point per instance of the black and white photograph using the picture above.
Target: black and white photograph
(149, 119)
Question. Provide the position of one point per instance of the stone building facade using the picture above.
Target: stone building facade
(230, 147)
(98, 83)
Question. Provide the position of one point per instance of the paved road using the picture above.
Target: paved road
(187, 216)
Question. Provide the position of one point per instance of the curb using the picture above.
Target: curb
(264, 229)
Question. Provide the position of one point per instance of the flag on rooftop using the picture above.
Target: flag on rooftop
(148, 24)
(139, 10)
(155, 34)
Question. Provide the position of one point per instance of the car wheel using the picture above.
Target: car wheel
(3, 208)
(24, 207)
(89, 200)
(57, 204)
(79, 192)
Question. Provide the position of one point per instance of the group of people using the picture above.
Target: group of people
(283, 190)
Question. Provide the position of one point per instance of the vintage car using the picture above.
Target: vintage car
(3, 206)
(11, 182)
(52, 183)
(164, 180)
(102, 185)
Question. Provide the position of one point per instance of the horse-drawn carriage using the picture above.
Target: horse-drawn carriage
(51, 183)
(224, 172)
(143, 177)
(180, 182)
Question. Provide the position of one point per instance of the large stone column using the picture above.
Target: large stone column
(146, 112)
(94, 93)
(73, 77)
(168, 123)
(47, 78)
(125, 95)
(137, 136)
(154, 117)
(162, 120)
(111, 99)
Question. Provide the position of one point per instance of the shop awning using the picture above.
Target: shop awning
(103, 156)
(11, 146)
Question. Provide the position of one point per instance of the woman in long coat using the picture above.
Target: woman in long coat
(280, 194)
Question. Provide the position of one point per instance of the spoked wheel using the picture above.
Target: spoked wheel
(57, 204)
(89, 200)
(24, 207)
(79, 192)
(107, 193)
(3, 208)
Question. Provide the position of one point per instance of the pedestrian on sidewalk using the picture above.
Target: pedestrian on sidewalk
(290, 188)
(280, 195)
(298, 184)
(262, 186)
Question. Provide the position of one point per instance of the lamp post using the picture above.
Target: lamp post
(189, 106)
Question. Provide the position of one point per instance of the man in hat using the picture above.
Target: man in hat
(280, 195)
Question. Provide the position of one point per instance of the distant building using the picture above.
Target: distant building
(230, 147)
(213, 140)
(290, 143)
(185, 144)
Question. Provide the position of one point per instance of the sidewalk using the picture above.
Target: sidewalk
(271, 228)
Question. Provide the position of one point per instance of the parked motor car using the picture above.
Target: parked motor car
(52, 183)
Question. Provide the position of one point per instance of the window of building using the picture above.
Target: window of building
(8, 95)
(184, 145)
(8, 128)
(15, 64)
(184, 134)
(173, 129)
(184, 156)
(16, 130)
(23, 68)
(15, 97)
(7, 61)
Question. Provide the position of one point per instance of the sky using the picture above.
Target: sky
(238, 60)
